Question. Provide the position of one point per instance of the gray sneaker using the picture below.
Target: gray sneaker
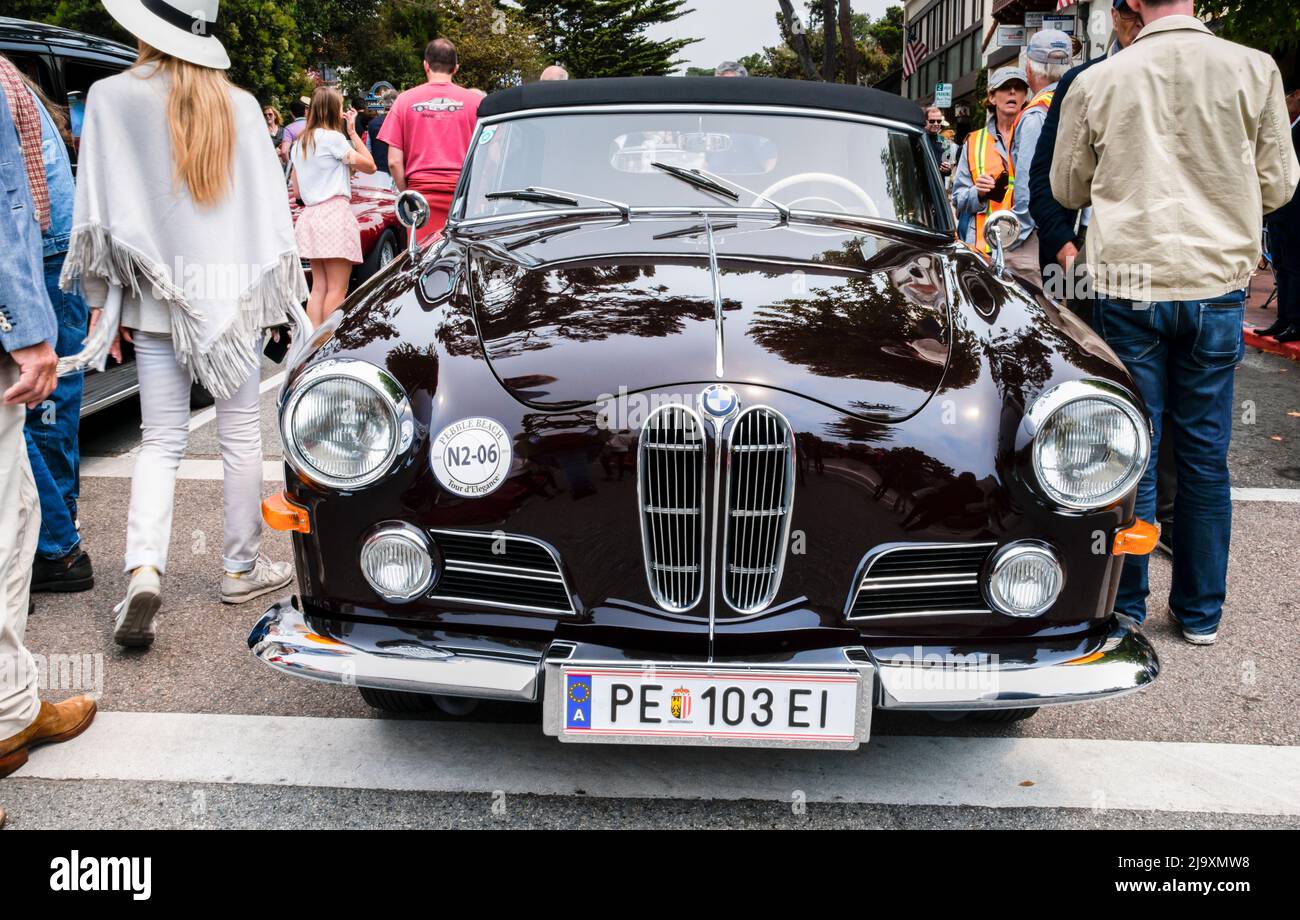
(134, 626)
(1201, 638)
(264, 577)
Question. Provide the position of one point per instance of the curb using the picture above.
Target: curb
(1285, 349)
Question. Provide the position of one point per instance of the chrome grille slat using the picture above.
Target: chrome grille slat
(670, 488)
(922, 579)
(525, 575)
(759, 496)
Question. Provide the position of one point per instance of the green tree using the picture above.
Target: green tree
(887, 32)
(606, 38)
(496, 45)
(879, 46)
(1270, 25)
(261, 36)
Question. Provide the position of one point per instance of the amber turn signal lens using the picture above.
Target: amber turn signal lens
(1137, 539)
(282, 514)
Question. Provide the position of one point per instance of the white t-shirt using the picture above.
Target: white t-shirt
(324, 173)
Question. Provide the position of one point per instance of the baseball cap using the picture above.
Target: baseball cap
(1050, 46)
(1121, 5)
(1006, 75)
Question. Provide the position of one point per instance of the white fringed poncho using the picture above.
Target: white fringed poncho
(226, 271)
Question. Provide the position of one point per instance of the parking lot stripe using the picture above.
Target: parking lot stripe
(1289, 496)
(518, 759)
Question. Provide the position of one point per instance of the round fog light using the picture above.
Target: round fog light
(1025, 580)
(398, 564)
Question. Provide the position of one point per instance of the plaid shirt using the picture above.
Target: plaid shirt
(28, 122)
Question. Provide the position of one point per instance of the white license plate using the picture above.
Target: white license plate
(714, 706)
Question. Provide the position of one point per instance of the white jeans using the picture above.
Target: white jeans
(165, 421)
(20, 522)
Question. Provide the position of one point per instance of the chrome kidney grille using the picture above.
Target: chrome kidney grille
(670, 482)
(760, 492)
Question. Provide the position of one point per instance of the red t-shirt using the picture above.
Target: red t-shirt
(432, 125)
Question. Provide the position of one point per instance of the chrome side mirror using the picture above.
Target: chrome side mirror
(413, 212)
(1001, 231)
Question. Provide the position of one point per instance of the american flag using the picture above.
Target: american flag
(1062, 4)
(914, 52)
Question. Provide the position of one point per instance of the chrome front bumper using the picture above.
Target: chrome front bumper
(283, 640)
(1123, 662)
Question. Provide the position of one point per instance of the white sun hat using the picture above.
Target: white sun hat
(181, 28)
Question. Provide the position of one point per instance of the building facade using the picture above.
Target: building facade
(962, 40)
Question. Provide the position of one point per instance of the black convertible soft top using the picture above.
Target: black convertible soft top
(696, 90)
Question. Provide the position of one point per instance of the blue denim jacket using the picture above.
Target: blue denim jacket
(26, 317)
(58, 176)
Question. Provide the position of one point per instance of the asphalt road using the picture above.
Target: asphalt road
(197, 734)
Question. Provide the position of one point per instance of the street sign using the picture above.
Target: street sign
(1011, 36)
(1064, 23)
(943, 95)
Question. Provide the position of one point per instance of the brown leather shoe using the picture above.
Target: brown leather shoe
(54, 723)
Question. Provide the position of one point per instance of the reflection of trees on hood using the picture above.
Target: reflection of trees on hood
(837, 330)
(416, 368)
(522, 310)
(369, 322)
(540, 424)
(859, 430)
(963, 360)
(1020, 359)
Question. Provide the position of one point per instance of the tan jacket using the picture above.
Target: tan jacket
(1182, 145)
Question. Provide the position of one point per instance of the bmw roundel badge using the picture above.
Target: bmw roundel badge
(719, 400)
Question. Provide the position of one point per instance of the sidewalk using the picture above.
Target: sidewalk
(1258, 318)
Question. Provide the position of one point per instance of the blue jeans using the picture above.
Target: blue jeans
(51, 429)
(1182, 354)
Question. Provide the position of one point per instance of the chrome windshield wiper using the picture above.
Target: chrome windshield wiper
(710, 182)
(539, 195)
(698, 179)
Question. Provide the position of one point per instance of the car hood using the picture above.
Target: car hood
(577, 314)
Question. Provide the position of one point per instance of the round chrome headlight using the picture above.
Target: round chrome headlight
(1091, 444)
(398, 563)
(345, 423)
(1024, 580)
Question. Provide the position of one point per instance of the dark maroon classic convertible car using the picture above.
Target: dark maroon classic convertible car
(699, 426)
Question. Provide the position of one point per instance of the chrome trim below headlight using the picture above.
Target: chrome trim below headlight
(391, 394)
(1043, 408)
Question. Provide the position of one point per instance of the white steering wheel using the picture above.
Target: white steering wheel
(867, 202)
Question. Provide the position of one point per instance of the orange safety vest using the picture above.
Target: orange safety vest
(1042, 101)
(981, 150)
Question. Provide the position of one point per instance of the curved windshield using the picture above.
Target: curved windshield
(799, 161)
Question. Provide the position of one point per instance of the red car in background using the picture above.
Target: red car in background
(382, 234)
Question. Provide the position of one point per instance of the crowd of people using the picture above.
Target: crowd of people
(1141, 181)
(1093, 160)
(85, 252)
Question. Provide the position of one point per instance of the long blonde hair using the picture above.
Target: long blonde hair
(201, 121)
(326, 114)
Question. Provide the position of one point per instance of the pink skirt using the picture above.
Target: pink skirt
(328, 231)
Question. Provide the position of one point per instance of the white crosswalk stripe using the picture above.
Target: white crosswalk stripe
(518, 759)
